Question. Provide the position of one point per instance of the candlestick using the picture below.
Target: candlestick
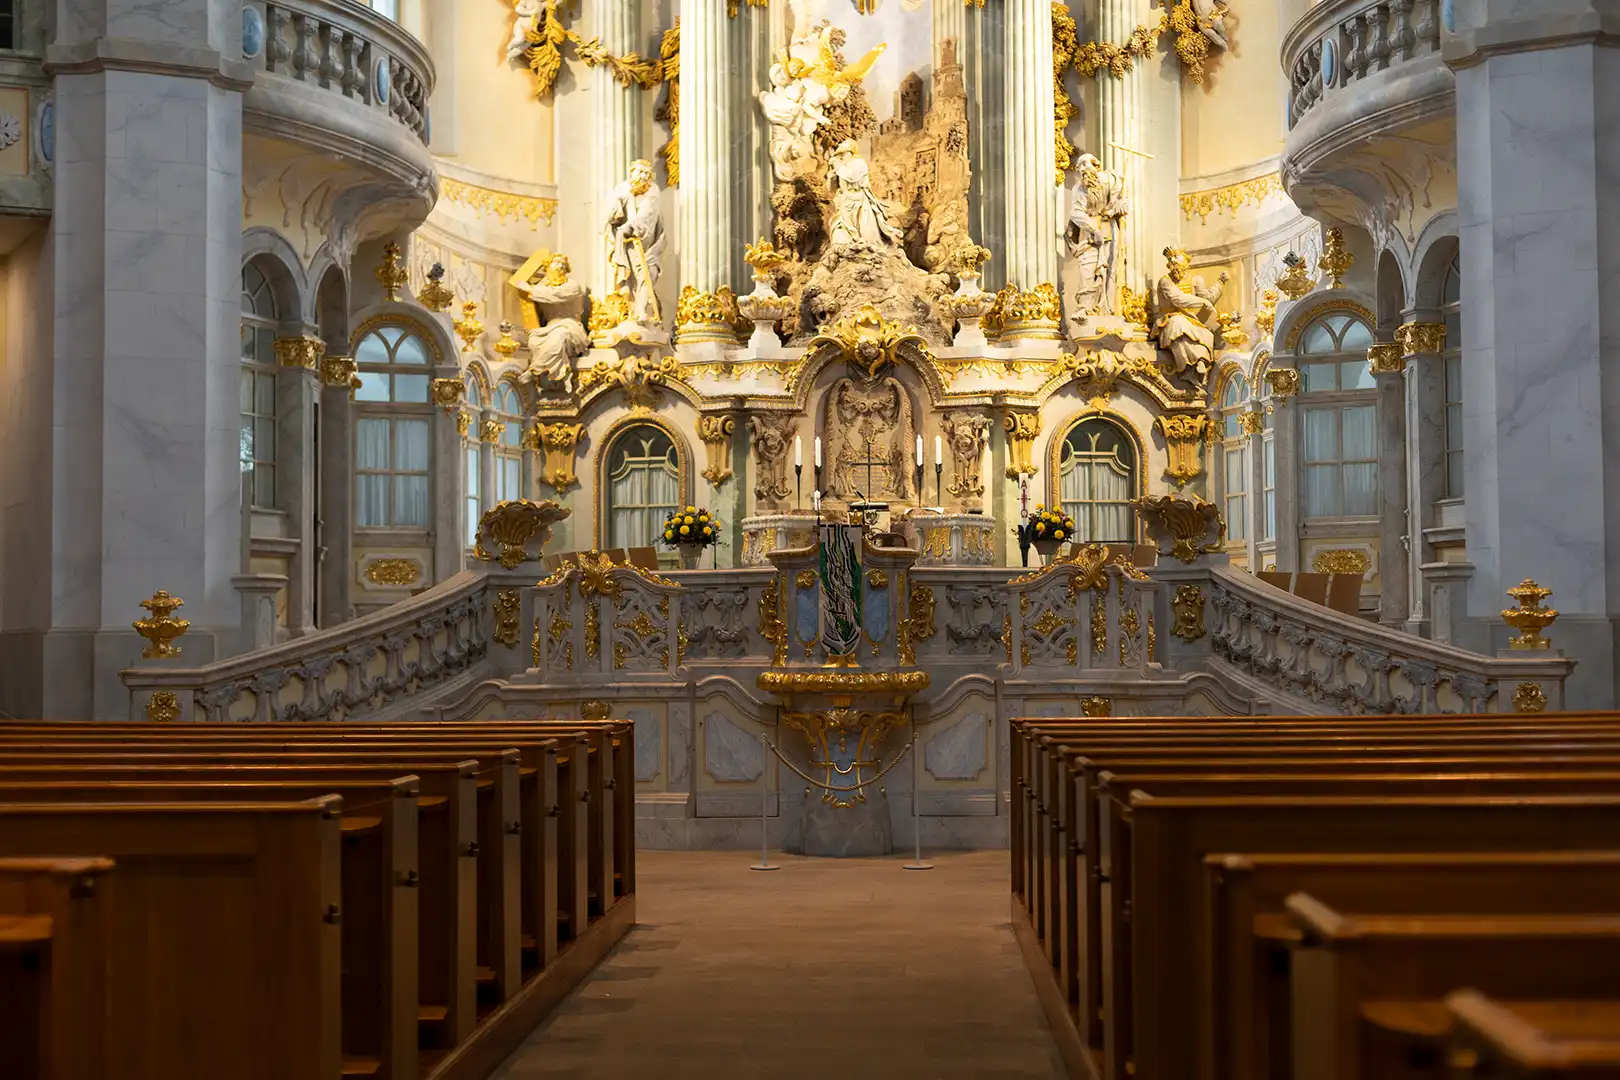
(798, 452)
(939, 451)
(818, 451)
(798, 486)
(939, 482)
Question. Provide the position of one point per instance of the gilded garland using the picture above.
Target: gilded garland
(546, 35)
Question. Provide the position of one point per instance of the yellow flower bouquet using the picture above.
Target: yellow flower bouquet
(1047, 529)
(690, 530)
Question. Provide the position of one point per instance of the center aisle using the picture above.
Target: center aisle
(827, 967)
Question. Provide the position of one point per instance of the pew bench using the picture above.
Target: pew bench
(1539, 1040)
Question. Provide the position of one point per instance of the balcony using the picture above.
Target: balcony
(1371, 113)
(336, 123)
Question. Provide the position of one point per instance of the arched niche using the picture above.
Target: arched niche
(895, 409)
(633, 491)
(1096, 466)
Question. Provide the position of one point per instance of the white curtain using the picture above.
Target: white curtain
(1237, 484)
(1361, 445)
(508, 478)
(474, 509)
(642, 496)
(1321, 473)
(1096, 492)
(411, 455)
(371, 456)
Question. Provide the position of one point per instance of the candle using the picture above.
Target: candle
(818, 451)
(815, 500)
(939, 451)
(919, 451)
(798, 452)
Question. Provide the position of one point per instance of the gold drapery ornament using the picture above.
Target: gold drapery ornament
(1188, 607)
(1117, 60)
(1529, 697)
(447, 393)
(163, 707)
(1385, 359)
(390, 273)
(715, 433)
(1421, 338)
(1528, 617)
(1341, 561)
(1022, 429)
(1192, 526)
(514, 524)
(1184, 439)
(300, 352)
(1065, 44)
(869, 342)
(922, 607)
(1230, 198)
(507, 605)
(468, 328)
(559, 440)
(1336, 259)
(547, 37)
(160, 628)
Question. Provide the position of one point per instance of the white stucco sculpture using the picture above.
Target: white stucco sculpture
(805, 80)
(858, 214)
(635, 230)
(1186, 322)
(1096, 220)
(559, 305)
(528, 16)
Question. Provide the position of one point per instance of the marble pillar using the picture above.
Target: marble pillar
(1032, 194)
(335, 541)
(1119, 124)
(298, 393)
(1538, 100)
(616, 110)
(984, 72)
(710, 170)
(1393, 573)
(1285, 450)
(141, 487)
(1425, 402)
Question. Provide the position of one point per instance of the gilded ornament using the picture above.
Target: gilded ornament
(805, 579)
(970, 259)
(1529, 618)
(1096, 707)
(1341, 561)
(922, 612)
(530, 439)
(771, 627)
(869, 342)
(1232, 197)
(1036, 315)
(434, 296)
(1420, 338)
(1385, 359)
(447, 393)
(1152, 642)
(1529, 697)
(715, 431)
(877, 579)
(160, 628)
(1192, 45)
(609, 310)
(707, 316)
(546, 36)
(594, 712)
(507, 345)
(1006, 636)
(300, 352)
(1284, 382)
(1022, 430)
(1098, 371)
(842, 679)
(490, 431)
(500, 203)
(468, 328)
(765, 260)
(1252, 421)
(390, 273)
(1297, 281)
(1265, 320)
(1336, 259)
(513, 525)
(1049, 623)
(1184, 436)
(1321, 306)
(463, 423)
(507, 605)
(1118, 60)
(559, 440)
(642, 380)
(1065, 44)
(163, 707)
(341, 371)
(1192, 526)
(669, 53)
(1233, 336)
(1188, 608)
(1133, 306)
(393, 572)
(1099, 624)
(936, 543)
(1129, 623)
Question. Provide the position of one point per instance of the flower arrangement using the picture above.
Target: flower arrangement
(691, 526)
(1046, 528)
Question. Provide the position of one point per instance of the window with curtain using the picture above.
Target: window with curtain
(1235, 457)
(643, 485)
(257, 404)
(393, 431)
(1268, 462)
(1451, 314)
(509, 451)
(469, 454)
(1338, 419)
(1097, 481)
(386, 8)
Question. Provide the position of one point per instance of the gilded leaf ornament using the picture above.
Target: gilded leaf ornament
(869, 342)
(514, 525)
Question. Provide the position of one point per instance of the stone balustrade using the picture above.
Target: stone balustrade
(1342, 42)
(1341, 664)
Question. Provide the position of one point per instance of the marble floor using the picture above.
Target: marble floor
(826, 968)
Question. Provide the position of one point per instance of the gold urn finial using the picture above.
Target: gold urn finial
(1336, 259)
(468, 328)
(508, 344)
(160, 627)
(434, 296)
(1297, 281)
(970, 258)
(765, 260)
(389, 273)
(1529, 618)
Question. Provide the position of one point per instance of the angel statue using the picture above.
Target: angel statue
(858, 214)
(805, 80)
(635, 229)
(1187, 324)
(1212, 21)
(559, 337)
(869, 428)
(528, 17)
(1092, 238)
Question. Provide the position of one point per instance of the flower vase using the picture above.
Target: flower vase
(1047, 548)
(690, 554)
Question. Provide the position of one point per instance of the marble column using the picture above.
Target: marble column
(710, 170)
(139, 488)
(984, 71)
(1538, 100)
(298, 393)
(1119, 124)
(1285, 451)
(1425, 404)
(1032, 194)
(616, 109)
(1393, 572)
(335, 540)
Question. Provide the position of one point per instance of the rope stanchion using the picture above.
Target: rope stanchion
(916, 824)
(835, 788)
(764, 826)
(916, 818)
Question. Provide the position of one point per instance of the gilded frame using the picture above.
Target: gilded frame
(683, 459)
(1054, 453)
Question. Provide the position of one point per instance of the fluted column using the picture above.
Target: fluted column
(1032, 192)
(950, 21)
(709, 169)
(617, 115)
(1120, 107)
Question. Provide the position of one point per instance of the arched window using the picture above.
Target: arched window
(469, 453)
(643, 487)
(1235, 456)
(1097, 481)
(392, 432)
(509, 450)
(1339, 419)
(386, 8)
(257, 406)
(1268, 463)
(1451, 313)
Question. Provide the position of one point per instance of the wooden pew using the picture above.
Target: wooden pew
(51, 1008)
(1364, 985)
(193, 978)
(1244, 1006)
(1560, 1040)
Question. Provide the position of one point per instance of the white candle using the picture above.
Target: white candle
(818, 451)
(798, 452)
(919, 451)
(939, 451)
(815, 500)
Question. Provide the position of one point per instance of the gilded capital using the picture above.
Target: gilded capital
(341, 371)
(447, 393)
(490, 431)
(706, 316)
(715, 431)
(300, 352)
(1385, 359)
(1419, 338)
(1284, 382)
(1252, 421)
(1021, 428)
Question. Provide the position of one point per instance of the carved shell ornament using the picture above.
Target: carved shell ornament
(10, 130)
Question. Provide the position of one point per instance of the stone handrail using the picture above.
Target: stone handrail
(1349, 665)
(347, 49)
(1339, 42)
(353, 670)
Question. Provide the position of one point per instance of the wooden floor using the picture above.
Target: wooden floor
(826, 967)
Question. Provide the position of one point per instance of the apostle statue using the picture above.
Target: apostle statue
(559, 306)
(1095, 223)
(635, 229)
(1186, 322)
(858, 214)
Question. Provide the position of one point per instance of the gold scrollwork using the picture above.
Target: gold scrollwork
(922, 612)
(1420, 338)
(869, 342)
(1341, 561)
(447, 393)
(163, 707)
(507, 603)
(1230, 198)
(715, 431)
(1188, 607)
(1184, 438)
(1096, 707)
(805, 579)
(502, 204)
(1192, 525)
(1529, 697)
(877, 579)
(394, 572)
(771, 627)
(1022, 430)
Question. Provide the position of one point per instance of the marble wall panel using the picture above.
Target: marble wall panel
(649, 736)
(960, 749)
(731, 755)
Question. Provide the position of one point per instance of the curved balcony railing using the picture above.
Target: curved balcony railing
(345, 49)
(1341, 42)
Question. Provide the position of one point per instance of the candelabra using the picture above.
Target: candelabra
(939, 482)
(798, 485)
